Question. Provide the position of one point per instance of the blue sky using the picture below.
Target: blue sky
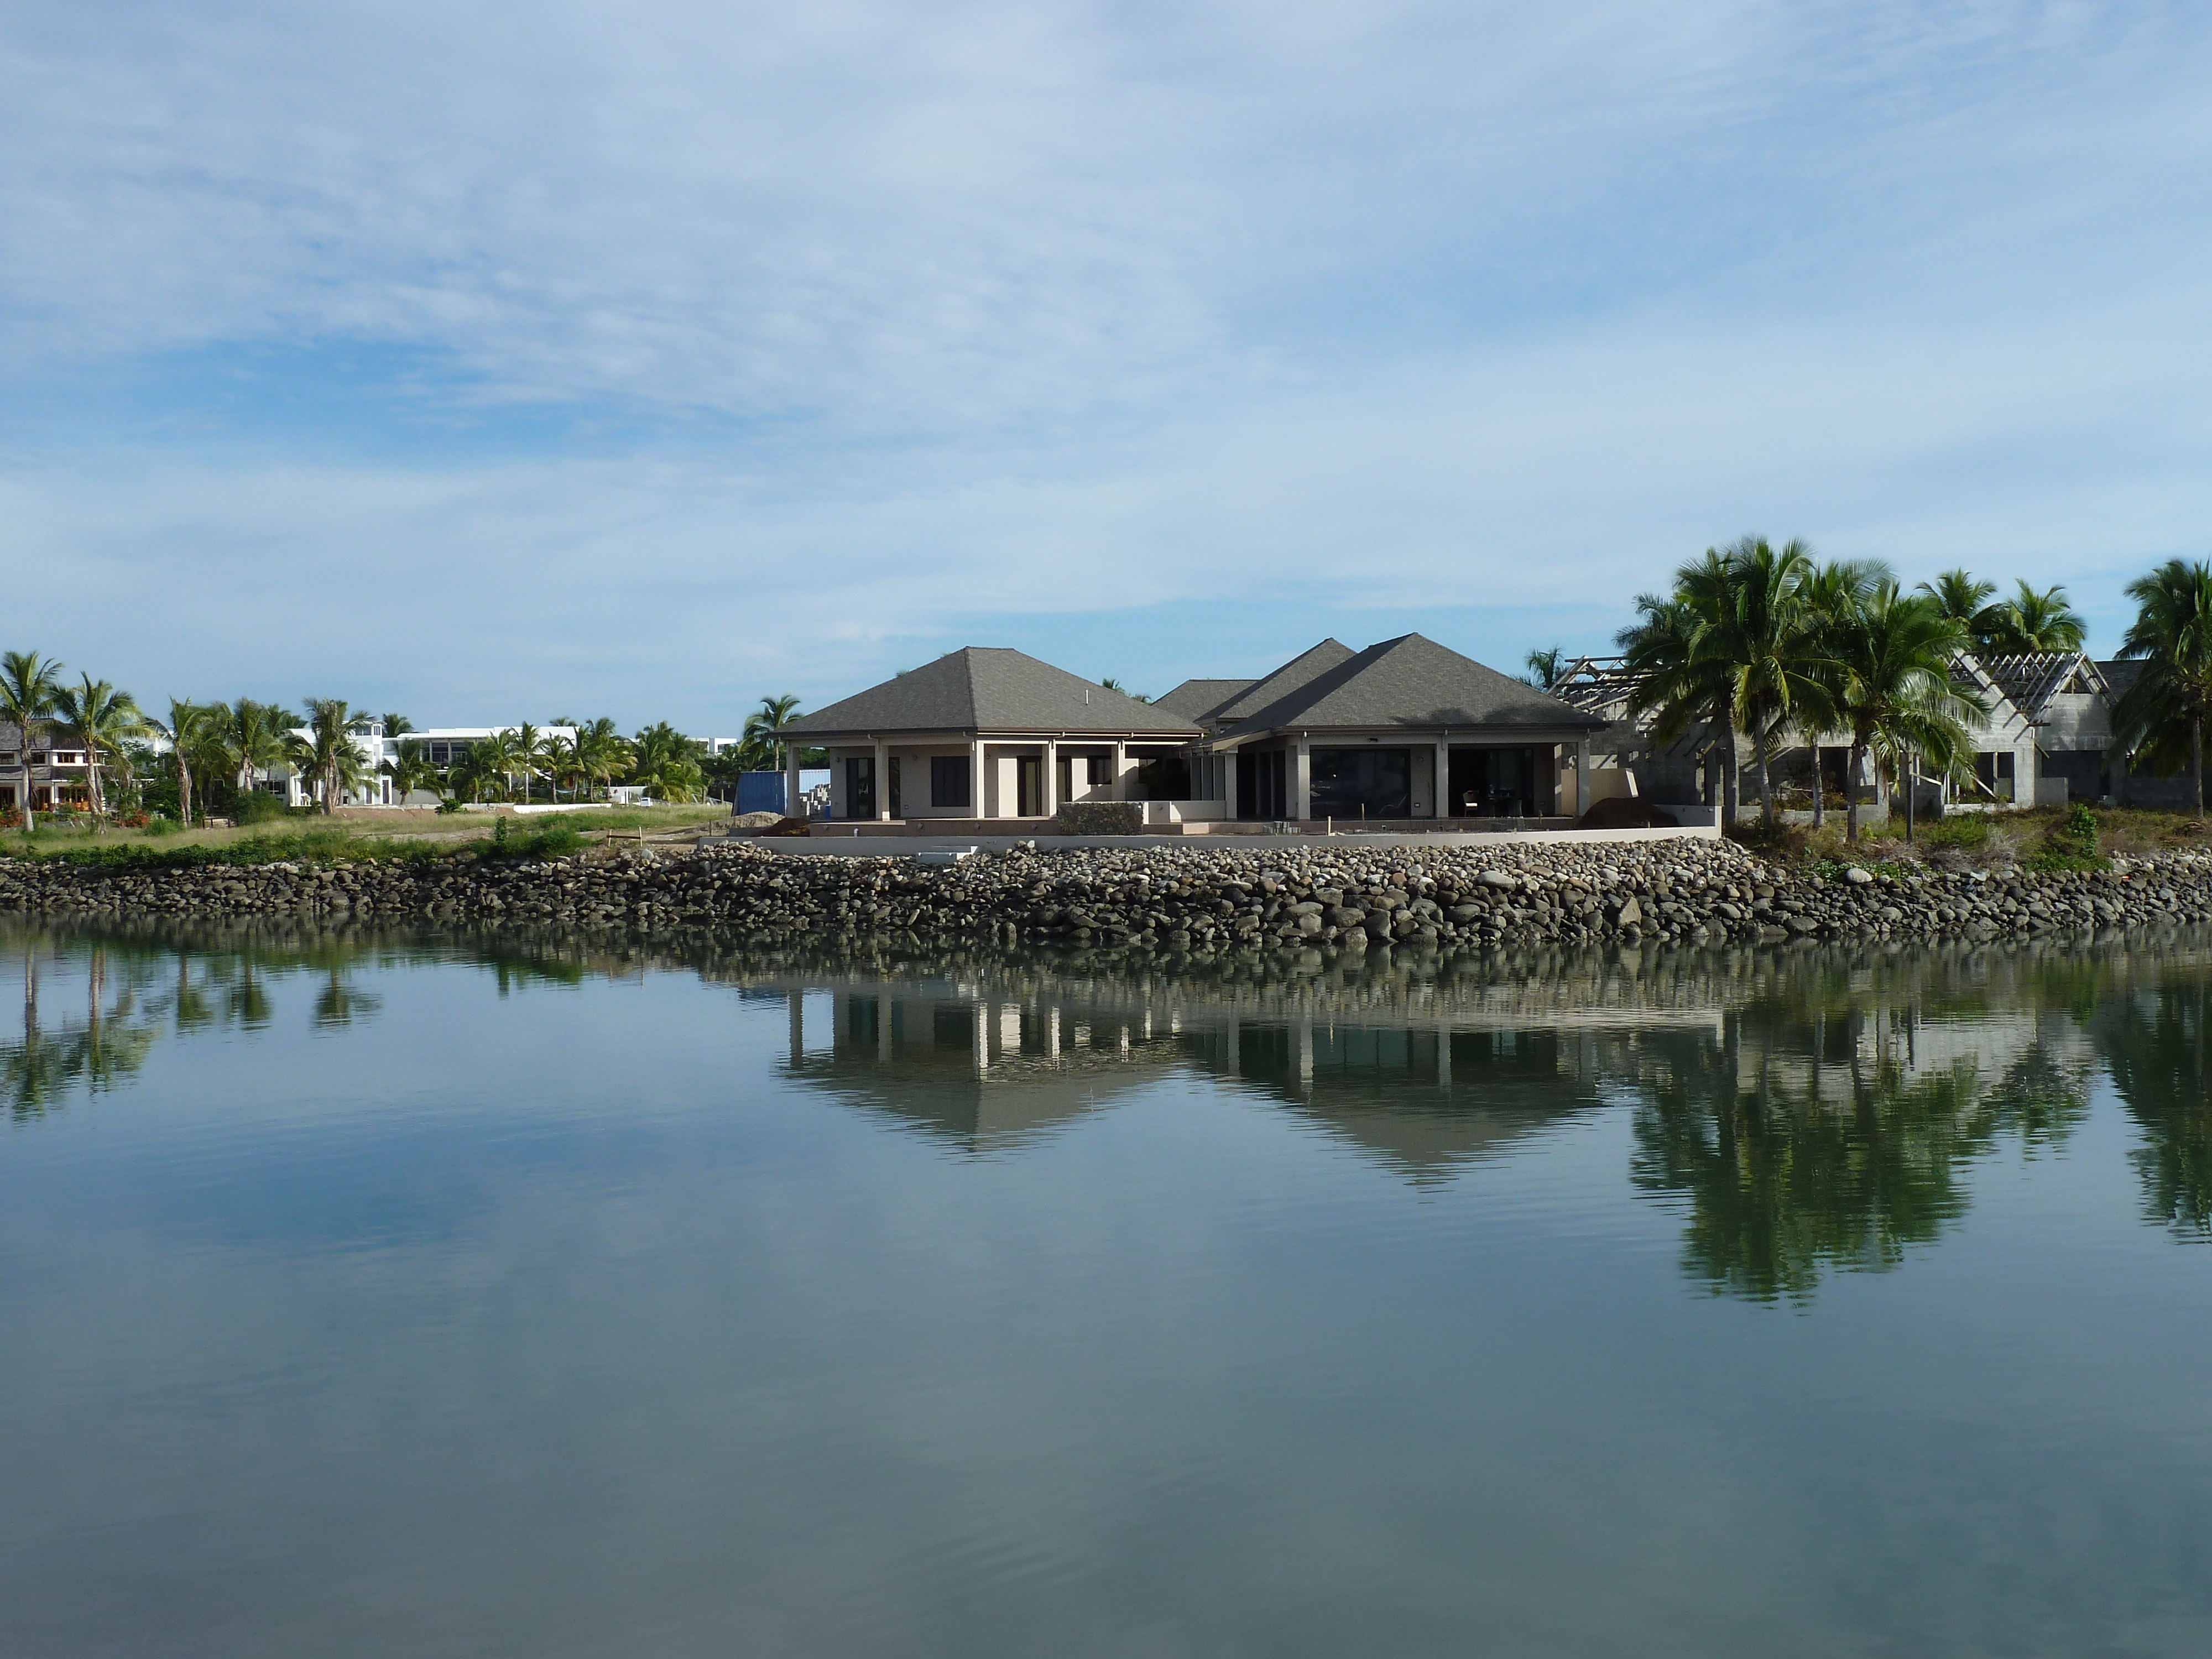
(492, 361)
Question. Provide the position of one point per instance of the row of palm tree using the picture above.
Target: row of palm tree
(234, 743)
(580, 753)
(1771, 643)
(240, 742)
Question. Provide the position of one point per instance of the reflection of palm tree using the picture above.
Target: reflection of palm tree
(2156, 1045)
(188, 1003)
(38, 1072)
(1803, 1143)
(337, 1002)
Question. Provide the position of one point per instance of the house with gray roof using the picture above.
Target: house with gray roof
(1407, 729)
(986, 733)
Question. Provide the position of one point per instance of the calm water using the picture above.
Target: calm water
(441, 1299)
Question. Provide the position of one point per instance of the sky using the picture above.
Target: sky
(493, 361)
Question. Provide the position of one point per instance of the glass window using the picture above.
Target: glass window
(949, 780)
(1377, 780)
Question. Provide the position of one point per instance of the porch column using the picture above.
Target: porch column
(1301, 802)
(976, 799)
(882, 781)
(1228, 759)
(1121, 766)
(1583, 777)
(1049, 789)
(794, 807)
(1440, 802)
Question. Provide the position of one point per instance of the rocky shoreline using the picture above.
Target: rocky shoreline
(1332, 898)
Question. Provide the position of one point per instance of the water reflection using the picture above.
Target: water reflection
(1805, 1111)
(2153, 1039)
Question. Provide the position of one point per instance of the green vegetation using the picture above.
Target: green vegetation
(2070, 843)
(2028, 621)
(210, 762)
(2162, 717)
(1760, 641)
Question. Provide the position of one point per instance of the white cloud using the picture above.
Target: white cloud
(908, 317)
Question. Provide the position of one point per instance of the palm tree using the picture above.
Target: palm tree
(1116, 686)
(255, 737)
(106, 718)
(185, 730)
(2161, 716)
(395, 727)
(1897, 695)
(1834, 594)
(491, 760)
(409, 769)
(2032, 622)
(530, 754)
(668, 763)
(602, 751)
(1678, 684)
(327, 751)
(765, 724)
(1766, 635)
(28, 686)
(1547, 667)
(1965, 601)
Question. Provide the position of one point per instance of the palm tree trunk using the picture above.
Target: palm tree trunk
(1912, 794)
(1819, 795)
(1765, 782)
(1851, 791)
(1731, 801)
(2196, 761)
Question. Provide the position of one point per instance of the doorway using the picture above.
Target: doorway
(861, 787)
(1493, 783)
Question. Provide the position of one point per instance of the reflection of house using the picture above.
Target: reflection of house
(985, 1066)
(973, 1066)
(1423, 1099)
(1404, 729)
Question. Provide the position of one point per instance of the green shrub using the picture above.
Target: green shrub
(1965, 831)
(2070, 843)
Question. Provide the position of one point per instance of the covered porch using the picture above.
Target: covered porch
(1382, 777)
(956, 777)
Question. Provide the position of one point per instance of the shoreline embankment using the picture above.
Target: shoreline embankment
(1190, 900)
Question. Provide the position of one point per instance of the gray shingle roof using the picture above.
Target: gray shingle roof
(990, 689)
(1413, 682)
(1195, 698)
(1301, 670)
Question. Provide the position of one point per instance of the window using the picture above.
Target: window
(949, 780)
(1350, 783)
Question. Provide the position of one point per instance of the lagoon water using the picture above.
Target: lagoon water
(490, 1297)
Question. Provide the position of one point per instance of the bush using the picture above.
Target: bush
(1100, 818)
(1784, 840)
(2070, 843)
(256, 807)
